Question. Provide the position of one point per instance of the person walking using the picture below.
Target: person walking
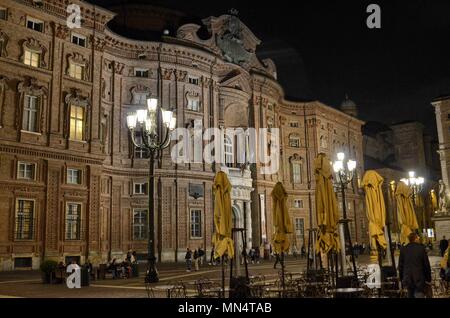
(303, 252)
(277, 260)
(201, 255)
(188, 258)
(443, 244)
(212, 261)
(414, 267)
(196, 258)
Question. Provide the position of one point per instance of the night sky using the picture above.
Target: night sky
(323, 50)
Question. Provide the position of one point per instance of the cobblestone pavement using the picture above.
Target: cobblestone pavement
(29, 284)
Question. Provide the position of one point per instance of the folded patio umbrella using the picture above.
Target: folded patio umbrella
(375, 210)
(281, 220)
(326, 206)
(407, 216)
(222, 240)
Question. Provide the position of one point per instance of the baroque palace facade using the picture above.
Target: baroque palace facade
(72, 184)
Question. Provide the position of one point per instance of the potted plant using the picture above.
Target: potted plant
(48, 269)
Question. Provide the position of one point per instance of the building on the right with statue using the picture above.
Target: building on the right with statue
(442, 217)
(394, 150)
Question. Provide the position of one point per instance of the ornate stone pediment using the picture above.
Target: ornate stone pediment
(236, 80)
(74, 97)
(295, 158)
(138, 89)
(229, 38)
(29, 86)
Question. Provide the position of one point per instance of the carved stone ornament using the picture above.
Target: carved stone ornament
(167, 73)
(61, 30)
(138, 89)
(3, 38)
(119, 67)
(98, 43)
(36, 46)
(180, 75)
(231, 43)
(29, 86)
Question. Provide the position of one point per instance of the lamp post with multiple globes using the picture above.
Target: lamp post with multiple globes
(416, 185)
(344, 171)
(154, 126)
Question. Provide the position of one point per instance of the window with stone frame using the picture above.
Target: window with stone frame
(139, 153)
(196, 223)
(140, 188)
(296, 169)
(35, 24)
(3, 13)
(293, 124)
(299, 227)
(24, 219)
(294, 141)
(141, 72)
(298, 203)
(32, 58)
(73, 221)
(193, 103)
(229, 151)
(77, 122)
(26, 170)
(31, 113)
(193, 80)
(76, 70)
(78, 39)
(74, 176)
(140, 228)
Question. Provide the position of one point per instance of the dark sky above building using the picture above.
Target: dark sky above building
(324, 49)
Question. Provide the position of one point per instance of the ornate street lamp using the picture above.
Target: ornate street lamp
(154, 126)
(416, 185)
(344, 171)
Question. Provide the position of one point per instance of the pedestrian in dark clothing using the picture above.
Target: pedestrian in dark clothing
(414, 267)
(196, 258)
(188, 258)
(303, 251)
(277, 260)
(443, 244)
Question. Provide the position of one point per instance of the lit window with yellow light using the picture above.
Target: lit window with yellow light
(76, 122)
(76, 71)
(32, 58)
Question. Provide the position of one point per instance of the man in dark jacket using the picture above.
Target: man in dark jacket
(414, 267)
(443, 244)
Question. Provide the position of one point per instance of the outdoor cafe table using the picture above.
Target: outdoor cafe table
(166, 288)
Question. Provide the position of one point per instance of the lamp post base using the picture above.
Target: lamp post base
(152, 274)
